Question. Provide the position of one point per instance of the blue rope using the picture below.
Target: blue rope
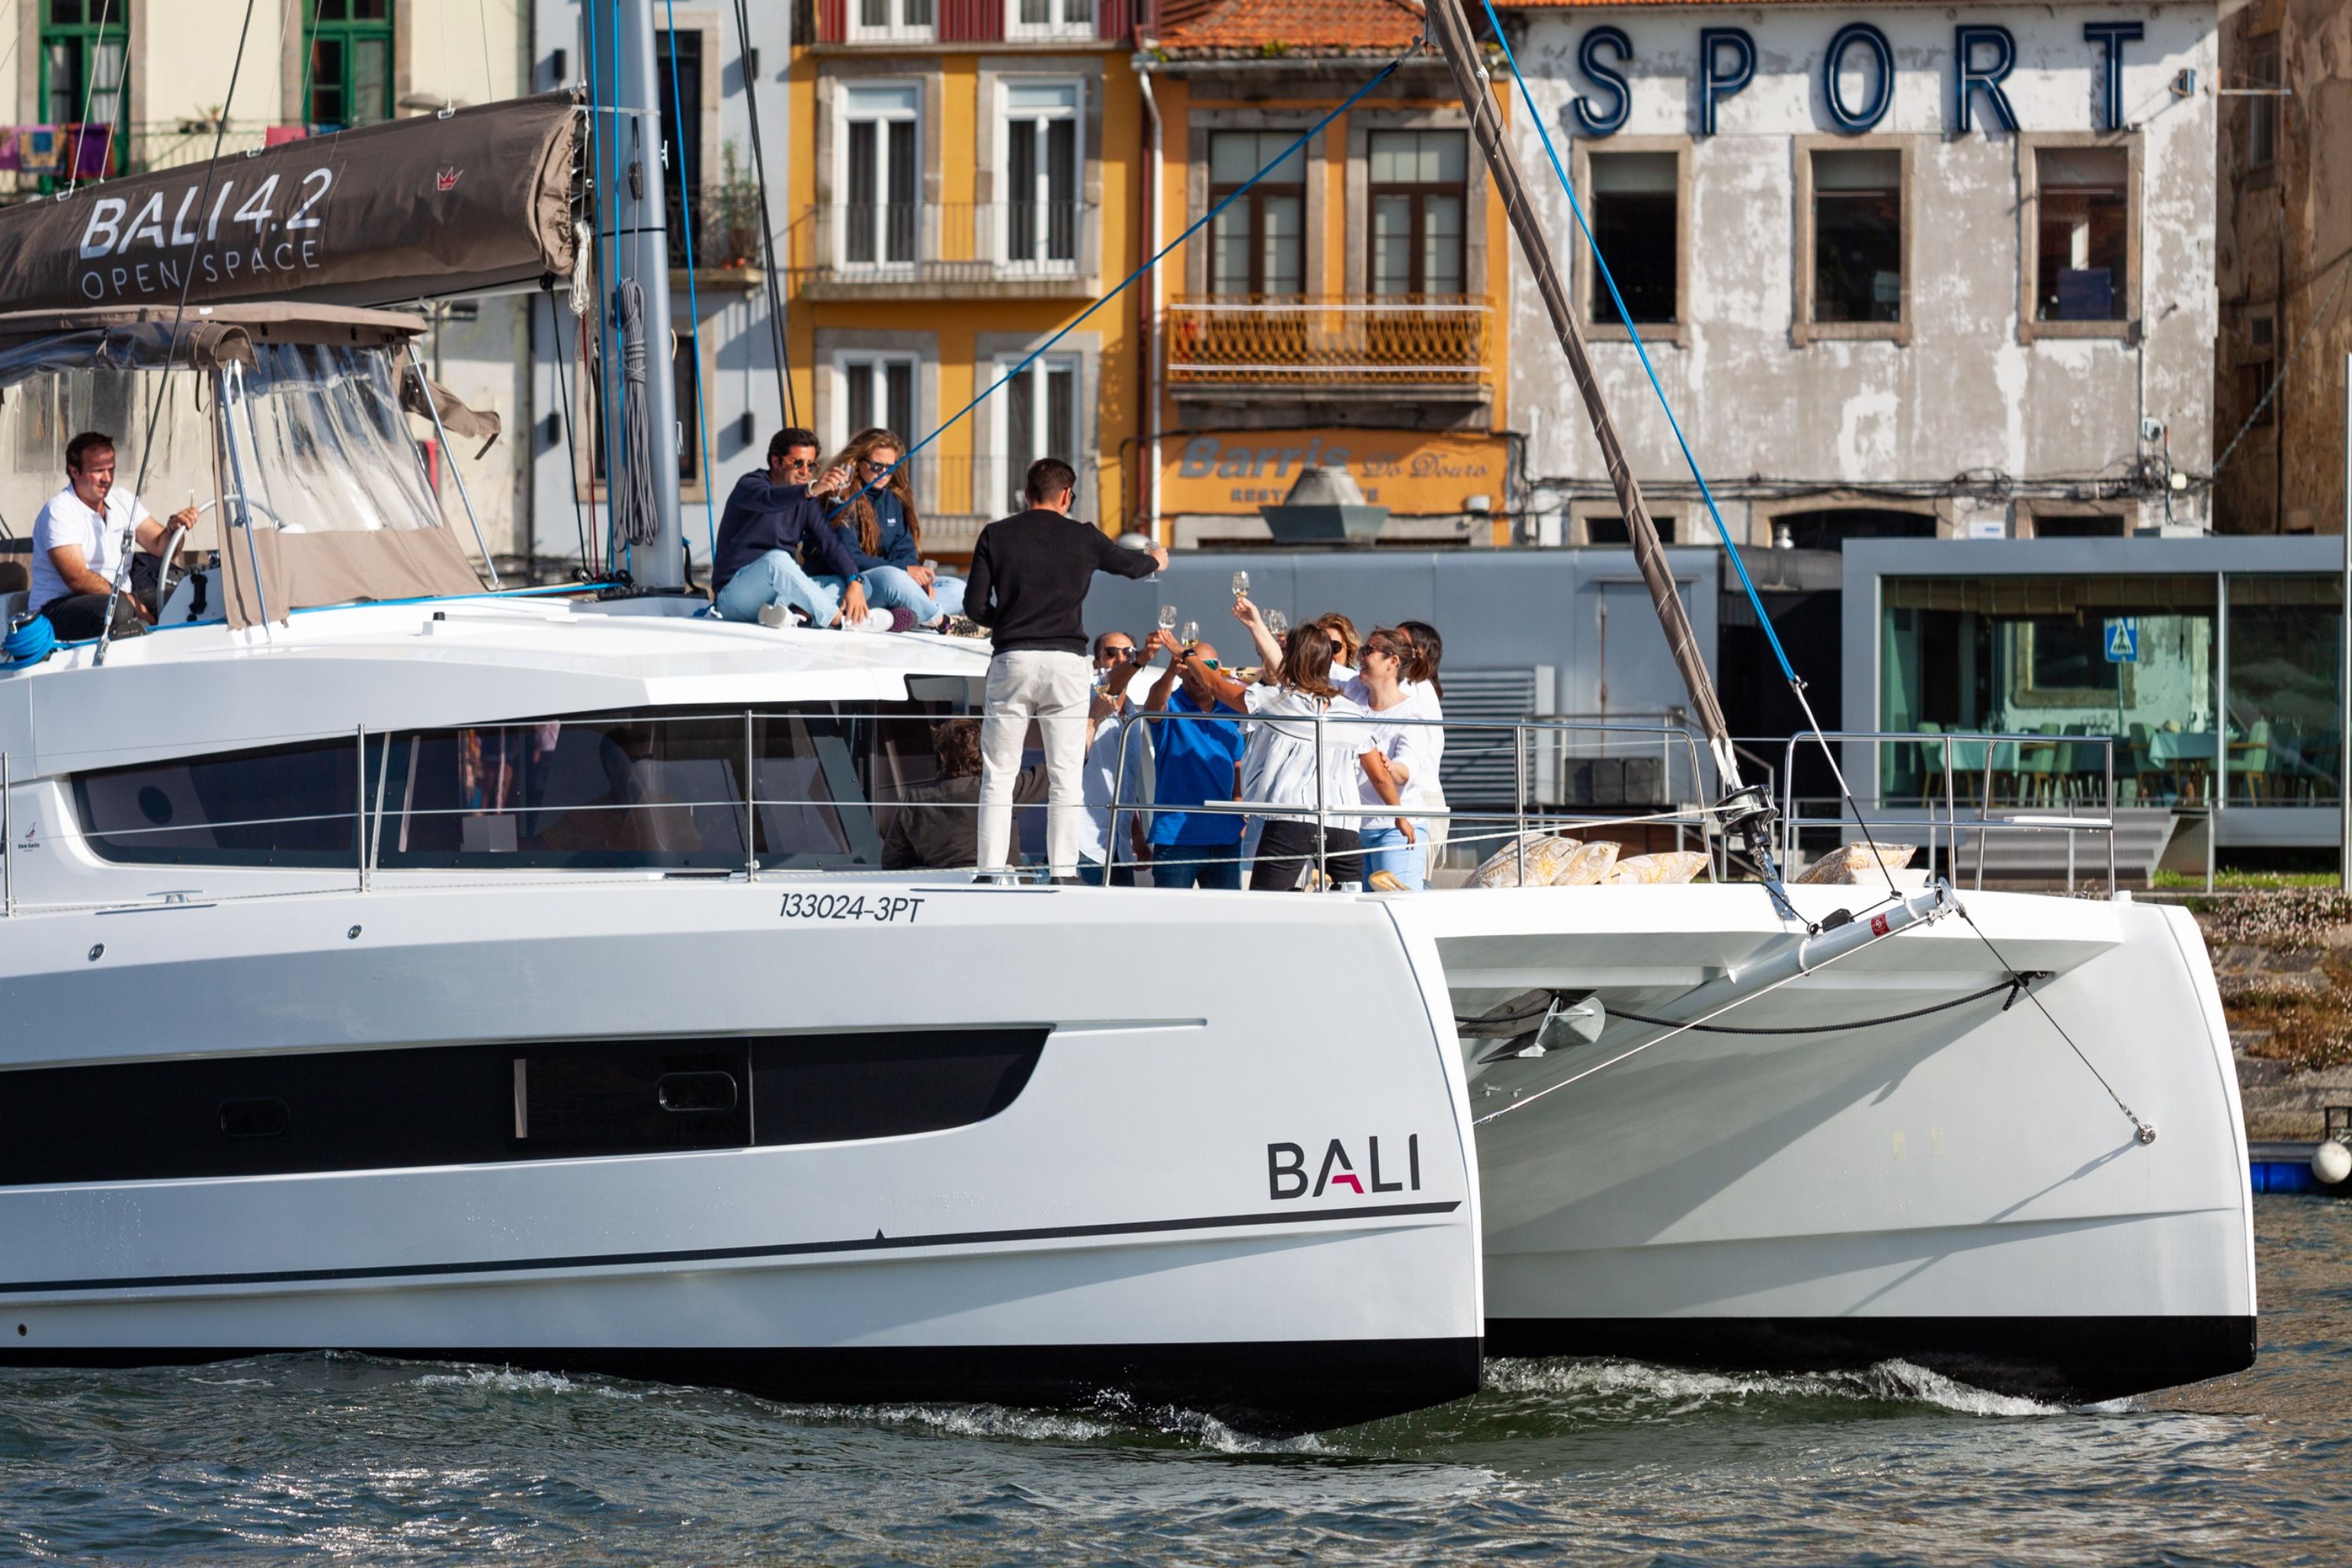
(1157, 256)
(1601, 266)
(693, 307)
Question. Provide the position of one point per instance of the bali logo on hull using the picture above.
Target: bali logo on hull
(1286, 1170)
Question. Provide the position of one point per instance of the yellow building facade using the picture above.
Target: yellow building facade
(967, 176)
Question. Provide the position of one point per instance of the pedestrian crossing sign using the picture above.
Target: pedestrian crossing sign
(2122, 639)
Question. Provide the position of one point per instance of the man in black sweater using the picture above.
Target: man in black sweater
(1030, 572)
(768, 518)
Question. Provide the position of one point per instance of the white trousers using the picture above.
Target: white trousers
(1052, 689)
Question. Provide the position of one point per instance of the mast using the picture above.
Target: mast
(1448, 27)
(640, 225)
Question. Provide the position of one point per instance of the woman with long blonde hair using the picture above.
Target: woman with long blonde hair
(883, 530)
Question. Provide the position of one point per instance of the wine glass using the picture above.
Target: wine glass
(1241, 585)
(1277, 624)
(1191, 634)
(1167, 617)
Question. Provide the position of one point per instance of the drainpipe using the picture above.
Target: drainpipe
(1153, 176)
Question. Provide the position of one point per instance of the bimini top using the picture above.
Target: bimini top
(139, 337)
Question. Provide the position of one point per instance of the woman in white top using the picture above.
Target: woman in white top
(1398, 760)
(1289, 763)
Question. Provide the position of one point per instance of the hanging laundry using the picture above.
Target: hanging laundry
(36, 149)
(278, 135)
(88, 152)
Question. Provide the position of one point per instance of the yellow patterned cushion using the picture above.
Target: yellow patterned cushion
(1587, 866)
(1546, 855)
(1855, 862)
(1671, 866)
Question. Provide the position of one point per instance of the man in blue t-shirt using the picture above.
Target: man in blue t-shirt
(1199, 761)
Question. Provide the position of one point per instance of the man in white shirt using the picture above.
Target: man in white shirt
(76, 539)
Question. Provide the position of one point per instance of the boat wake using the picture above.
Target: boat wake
(1626, 1390)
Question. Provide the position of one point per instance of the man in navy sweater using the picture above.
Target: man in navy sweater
(769, 518)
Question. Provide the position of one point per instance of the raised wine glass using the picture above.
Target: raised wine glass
(1277, 624)
(1167, 617)
(1241, 585)
(1191, 634)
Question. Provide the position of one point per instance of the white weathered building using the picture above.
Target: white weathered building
(1902, 269)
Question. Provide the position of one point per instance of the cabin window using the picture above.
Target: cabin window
(283, 806)
(1418, 180)
(494, 1104)
(1857, 235)
(350, 64)
(1637, 223)
(1258, 244)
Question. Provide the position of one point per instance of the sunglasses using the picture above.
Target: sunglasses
(871, 466)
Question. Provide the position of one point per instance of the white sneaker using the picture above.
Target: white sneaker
(878, 621)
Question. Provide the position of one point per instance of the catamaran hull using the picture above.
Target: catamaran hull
(1249, 1202)
(1956, 1189)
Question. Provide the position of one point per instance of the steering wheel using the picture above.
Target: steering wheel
(172, 544)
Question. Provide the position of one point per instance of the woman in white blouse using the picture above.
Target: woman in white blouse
(1292, 760)
(1397, 759)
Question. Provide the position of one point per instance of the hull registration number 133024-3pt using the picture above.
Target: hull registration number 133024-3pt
(895, 909)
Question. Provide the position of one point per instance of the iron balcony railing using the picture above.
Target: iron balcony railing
(885, 243)
(1391, 339)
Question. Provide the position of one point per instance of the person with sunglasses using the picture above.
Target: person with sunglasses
(879, 522)
(773, 516)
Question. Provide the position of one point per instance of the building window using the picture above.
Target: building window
(1857, 235)
(1258, 245)
(881, 163)
(2283, 710)
(876, 389)
(1041, 172)
(1049, 18)
(1611, 529)
(1416, 197)
(2081, 226)
(1636, 225)
(682, 52)
(891, 21)
(2263, 110)
(1041, 420)
(351, 62)
(84, 43)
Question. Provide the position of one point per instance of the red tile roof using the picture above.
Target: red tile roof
(1277, 28)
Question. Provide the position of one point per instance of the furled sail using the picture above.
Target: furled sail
(477, 200)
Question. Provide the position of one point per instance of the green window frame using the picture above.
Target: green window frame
(77, 38)
(348, 55)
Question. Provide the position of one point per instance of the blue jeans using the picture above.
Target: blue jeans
(1386, 850)
(1090, 872)
(890, 588)
(947, 592)
(1197, 865)
(775, 578)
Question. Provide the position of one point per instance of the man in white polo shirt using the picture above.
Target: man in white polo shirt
(76, 539)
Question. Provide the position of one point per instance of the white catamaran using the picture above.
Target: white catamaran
(395, 966)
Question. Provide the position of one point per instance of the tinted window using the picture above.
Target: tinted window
(288, 806)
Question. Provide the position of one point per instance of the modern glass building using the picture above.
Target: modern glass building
(2212, 663)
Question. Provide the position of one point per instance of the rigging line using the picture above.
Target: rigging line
(482, 22)
(776, 322)
(2013, 985)
(693, 309)
(1633, 333)
(1678, 1029)
(1156, 257)
(600, 263)
(563, 400)
(2145, 1132)
(98, 52)
(171, 352)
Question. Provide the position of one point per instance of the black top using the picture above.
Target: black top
(763, 515)
(1030, 572)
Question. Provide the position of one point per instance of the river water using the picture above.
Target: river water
(306, 1456)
